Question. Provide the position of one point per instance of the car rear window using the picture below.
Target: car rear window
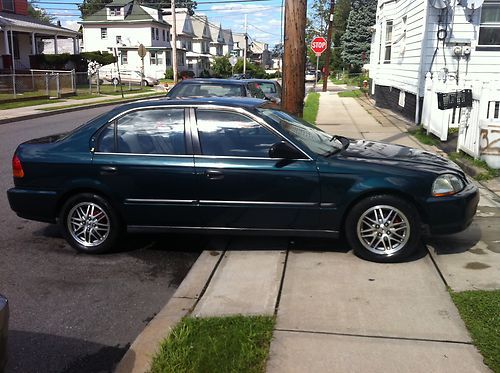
(208, 90)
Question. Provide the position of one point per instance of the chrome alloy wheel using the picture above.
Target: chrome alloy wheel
(383, 230)
(88, 224)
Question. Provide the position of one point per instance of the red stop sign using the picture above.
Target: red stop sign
(318, 45)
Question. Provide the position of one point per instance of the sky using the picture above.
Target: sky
(263, 17)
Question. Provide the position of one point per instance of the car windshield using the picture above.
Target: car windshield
(312, 137)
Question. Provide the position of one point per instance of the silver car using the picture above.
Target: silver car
(4, 326)
(133, 77)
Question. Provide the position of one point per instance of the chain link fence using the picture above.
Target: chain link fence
(37, 84)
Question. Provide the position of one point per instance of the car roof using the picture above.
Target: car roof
(243, 102)
(259, 80)
(212, 81)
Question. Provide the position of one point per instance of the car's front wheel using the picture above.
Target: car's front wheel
(383, 228)
(145, 83)
(89, 223)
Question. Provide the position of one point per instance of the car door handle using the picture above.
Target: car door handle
(108, 169)
(214, 175)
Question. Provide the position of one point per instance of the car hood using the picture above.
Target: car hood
(390, 152)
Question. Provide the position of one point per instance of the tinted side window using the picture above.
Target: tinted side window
(154, 131)
(225, 133)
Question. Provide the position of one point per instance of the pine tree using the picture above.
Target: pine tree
(357, 38)
(340, 16)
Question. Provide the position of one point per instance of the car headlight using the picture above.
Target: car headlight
(446, 185)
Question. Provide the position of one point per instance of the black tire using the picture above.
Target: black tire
(390, 238)
(93, 217)
(145, 83)
(115, 81)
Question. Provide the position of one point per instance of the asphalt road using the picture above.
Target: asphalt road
(72, 312)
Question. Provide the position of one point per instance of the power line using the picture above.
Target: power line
(153, 3)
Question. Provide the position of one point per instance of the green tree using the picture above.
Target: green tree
(317, 25)
(255, 70)
(356, 40)
(89, 7)
(39, 13)
(340, 16)
(221, 67)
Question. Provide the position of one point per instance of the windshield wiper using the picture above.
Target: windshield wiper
(343, 140)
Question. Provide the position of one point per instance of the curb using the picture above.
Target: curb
(138, 357)
(76, 108)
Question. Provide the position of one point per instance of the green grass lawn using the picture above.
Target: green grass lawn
(216, 345)
(10, 96)
(488, 174)
(14, 105)
(110, 101)
(421, 134)
(480, 311)
(311, 107)
(356, 93)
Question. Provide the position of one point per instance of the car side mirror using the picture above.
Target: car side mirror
(284, 150)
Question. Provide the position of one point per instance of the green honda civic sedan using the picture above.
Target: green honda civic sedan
(231, 165)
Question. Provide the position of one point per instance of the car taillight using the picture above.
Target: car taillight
(17, 167)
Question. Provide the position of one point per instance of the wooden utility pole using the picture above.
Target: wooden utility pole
(174, 42)
(328, 46)
(294, 57)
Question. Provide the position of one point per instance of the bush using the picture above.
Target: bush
(169, 74)
(205, 74)
(68, 61)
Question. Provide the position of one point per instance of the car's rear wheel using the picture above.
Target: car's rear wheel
(145, 83)
(115, 81)
(89, 223)
(383, 228)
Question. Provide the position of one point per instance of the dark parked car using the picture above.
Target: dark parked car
(271, 88)
(230, 166)
(216, 88)
(4, 327)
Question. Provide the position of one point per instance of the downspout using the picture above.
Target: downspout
(421, 64)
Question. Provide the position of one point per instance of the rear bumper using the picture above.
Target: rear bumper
(40, 205)
(452, 214)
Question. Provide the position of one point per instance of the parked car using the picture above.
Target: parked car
(271, 88)
(234, 165)
(241, 76)
(131, 76)
(312, 76)
(216, 88)
(4, 327)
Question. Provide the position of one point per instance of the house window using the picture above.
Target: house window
(168, 58)
(152, 33)
(157, 34)
(8, 5)
(388, 42)
(156, 58)
(489, 30)
(104, 33)
(124, 58)
(163, 34)
(118, 39)
(115, 11)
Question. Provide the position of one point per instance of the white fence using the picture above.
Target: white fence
(479, 125)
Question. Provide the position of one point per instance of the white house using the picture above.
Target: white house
(185, 34)
(23, 36)
(423, 50)
(217, 42)
(199, 58)
(124, 25)
(445, 38)
(227, 48)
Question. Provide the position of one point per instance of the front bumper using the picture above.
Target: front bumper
(32, 204)
(452, 214)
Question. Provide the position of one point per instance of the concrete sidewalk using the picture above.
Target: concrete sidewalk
(335, 312)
